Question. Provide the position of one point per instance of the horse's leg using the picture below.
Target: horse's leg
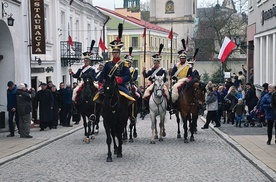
(85, 126)
(185, 127)
(162, 127)
(108, 142)
(89, 127)
(153, 128)
(114, 141)
(178, 124)
(134, 131)
(131, 125)
(119, 132)
(125, 133)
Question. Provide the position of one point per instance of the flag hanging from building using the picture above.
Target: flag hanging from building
(226, 49)
(144, 33)
(171, 34)
(101, 44)
(70, 41)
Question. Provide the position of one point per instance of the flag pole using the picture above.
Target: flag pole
(68, 50)
(144, 79)
(170, 90)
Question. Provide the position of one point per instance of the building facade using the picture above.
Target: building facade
(261, 40)
(21, 58)
(175, 14)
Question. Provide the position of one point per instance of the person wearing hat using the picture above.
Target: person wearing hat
(116, 66)
(100, 69)
(24, 109)
(11, 106)
(86, 69)
(46, 104)
(156, 70)
(195, 72)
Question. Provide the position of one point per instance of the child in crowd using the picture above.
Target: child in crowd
(239, 110)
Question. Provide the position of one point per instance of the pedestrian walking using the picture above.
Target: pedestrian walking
(24, 108)
(11, 107)
(56, 107)
(211, 107)
(44, 99)
(266, 105)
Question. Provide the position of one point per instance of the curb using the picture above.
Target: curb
(38, 146)
(269, 173)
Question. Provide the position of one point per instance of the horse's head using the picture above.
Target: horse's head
(199, 92)
(110, 87)
(158, 86)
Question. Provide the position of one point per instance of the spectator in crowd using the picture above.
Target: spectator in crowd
(237, 82)
(251, 76)
(239, 110)
(60, 92)
(250, 97)
(211, 107)
(241, 77)
(232, 99)
(240, 93)
(49, 85)
(56, 107)
(66, 105)
(209, 85)
(266, 105)
(24, 108)
(228, 83)
(45, 100)
(11, 107)
(221, 104)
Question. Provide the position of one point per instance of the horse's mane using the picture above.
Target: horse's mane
(191, 83)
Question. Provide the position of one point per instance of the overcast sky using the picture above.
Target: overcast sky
(109, 4)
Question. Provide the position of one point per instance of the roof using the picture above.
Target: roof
(136, 21)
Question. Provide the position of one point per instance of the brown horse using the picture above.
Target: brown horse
(192, 96)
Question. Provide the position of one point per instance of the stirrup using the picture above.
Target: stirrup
(172, 111)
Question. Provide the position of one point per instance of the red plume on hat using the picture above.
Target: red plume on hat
(120, 32)
(160, 49)
(183, 44)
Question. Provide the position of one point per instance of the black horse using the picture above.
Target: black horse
(87, 107)
(133, 112)
(115, 113)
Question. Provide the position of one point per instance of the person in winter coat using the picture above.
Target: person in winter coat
(23, 109)
(232, 99)
(211, 107)
(239, 110)
(11, 107)
(44, 98)
(269, 114)
(250, 97)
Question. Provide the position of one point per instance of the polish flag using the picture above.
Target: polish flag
(102, 45)
(171, 34)
(70, 41)
(226, 49)
(144, 33)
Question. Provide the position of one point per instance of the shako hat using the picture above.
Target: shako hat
(88, 54)
(129, 57)
(158, 57)
(116, 45)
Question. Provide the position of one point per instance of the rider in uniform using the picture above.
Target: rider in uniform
(156, 70)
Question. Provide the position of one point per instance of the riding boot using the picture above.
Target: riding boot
(173, 109)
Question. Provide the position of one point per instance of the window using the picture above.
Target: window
(169, 8)
(89, 32)
(134, 42)
(78, 30)
(62, 25)
(47, 23)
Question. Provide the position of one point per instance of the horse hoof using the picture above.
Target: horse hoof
(109, 159)
(115, 151)
(155, 137)
(186, 141)
(164, 134)
(178, 136)
(130, 140)
(92, 137)
(152, 142)
(135, 135)
(119, 155)
(192, 139)
(86, 140)
(161, 139)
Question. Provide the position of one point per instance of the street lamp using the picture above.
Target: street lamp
(4, 14)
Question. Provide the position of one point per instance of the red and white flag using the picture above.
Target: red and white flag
(144, 33)
(102, 45)
(170, 36)
(226, 49)
(70, 41)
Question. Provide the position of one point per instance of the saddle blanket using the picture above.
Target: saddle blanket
(177, 87)
(78, 89)
(148, 92)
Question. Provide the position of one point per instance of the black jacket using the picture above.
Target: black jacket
(24, 102)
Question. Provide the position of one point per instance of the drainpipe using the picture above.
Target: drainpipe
(108, 18)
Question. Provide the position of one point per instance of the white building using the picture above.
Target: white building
(261, 37)
(21, 49)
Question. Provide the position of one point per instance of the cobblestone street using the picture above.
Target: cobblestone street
(209, 158)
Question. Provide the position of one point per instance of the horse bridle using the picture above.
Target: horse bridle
(160, 88)
(110, 100)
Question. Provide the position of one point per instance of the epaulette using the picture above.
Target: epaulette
(164, 69)
(108, 61)
(126, 64)
(136, 69)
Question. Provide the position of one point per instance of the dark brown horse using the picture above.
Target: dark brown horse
(192, 96)
(115, 113)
